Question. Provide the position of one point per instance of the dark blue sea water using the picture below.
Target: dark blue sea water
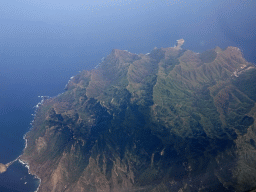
(43, 44)
(17, 179)
(23, 78)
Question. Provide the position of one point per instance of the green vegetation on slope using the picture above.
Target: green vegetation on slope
(167, 121)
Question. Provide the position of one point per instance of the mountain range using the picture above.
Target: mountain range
(168, 120)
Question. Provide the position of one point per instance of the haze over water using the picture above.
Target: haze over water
(44, 43)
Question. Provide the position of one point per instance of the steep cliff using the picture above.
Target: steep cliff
(171, 120)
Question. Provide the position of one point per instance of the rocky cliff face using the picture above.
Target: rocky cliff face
(171, 120)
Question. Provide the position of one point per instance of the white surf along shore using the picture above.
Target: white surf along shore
(23, 162)
(26, 144)
(26, 141)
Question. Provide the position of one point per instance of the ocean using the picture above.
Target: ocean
(20, 88)
(43, 45)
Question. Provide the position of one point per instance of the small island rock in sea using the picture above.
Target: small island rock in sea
(3, 168)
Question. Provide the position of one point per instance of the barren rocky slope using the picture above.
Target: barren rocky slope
(171, 120)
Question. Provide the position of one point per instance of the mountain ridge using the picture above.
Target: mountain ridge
(169, 120)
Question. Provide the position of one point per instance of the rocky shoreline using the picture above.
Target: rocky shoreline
(5, 168)
(27, 166)
(22, 161)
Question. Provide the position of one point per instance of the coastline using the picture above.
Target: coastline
(23, 162)
(27, 166)
(20, 159)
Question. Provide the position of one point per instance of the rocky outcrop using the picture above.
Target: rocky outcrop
(179, 43)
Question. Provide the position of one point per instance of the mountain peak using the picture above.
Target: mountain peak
(123, 55)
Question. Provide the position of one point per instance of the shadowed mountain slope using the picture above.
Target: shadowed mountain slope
(171, 120)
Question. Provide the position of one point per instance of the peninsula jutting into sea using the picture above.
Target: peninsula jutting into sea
(4, 167)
